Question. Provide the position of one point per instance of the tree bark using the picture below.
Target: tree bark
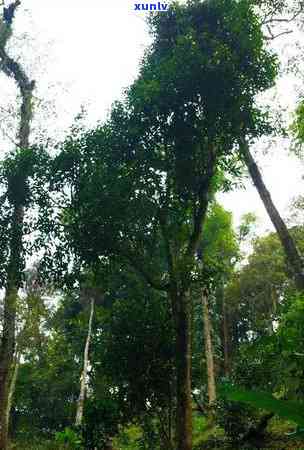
(9, 321)
(225, 332)
(170, 423)
(292, 254)
(12, 386)
(182, 313)
(208, 351)
(13, 69)
(83, 378)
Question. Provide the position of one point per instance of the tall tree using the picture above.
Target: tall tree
(145, 178)
(23, 176)
(219, 252)
(17, 187)
(293, 256)
(31, 311)
(278, 18)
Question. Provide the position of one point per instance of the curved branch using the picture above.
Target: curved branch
(13, 69)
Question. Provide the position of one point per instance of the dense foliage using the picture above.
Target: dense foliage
(143, 324)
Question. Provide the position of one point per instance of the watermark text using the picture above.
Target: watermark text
(151, 6)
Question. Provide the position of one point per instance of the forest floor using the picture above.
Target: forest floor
(276, 438)
(270, 442)
(205, 438)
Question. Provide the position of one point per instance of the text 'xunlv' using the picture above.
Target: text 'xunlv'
(151, 6)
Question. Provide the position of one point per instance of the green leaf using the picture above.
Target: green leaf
(285, 409)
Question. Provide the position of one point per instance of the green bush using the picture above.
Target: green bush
(100, 422)
(236, 419)
(69, 439)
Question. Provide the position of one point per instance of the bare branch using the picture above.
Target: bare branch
(273, 19)
(272, 36)
(284, 19)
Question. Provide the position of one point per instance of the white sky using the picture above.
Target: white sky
(89, 51)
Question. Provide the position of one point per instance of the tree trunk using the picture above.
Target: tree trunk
(6, 358)
(12, 386)
(170, 416)
(83, 378)
(292, 255)
(209, 351)
(9, 322)
(14, 70)
(225, 332)
(182, 313)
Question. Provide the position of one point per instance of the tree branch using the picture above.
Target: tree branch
(203, 204)
(272, 36)
(13, 69)
(270, 19)
(138, 267)
(163, 227)
(282, 19)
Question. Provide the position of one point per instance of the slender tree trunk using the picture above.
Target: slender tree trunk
(274, 301)
(225, 335)
(209, 351)
(182, 313)
(12, 386)
(14, 70)
(170, 415)
(292, 255)
(9, 322)
(6, 359)
(83, 378)
(225, 332)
